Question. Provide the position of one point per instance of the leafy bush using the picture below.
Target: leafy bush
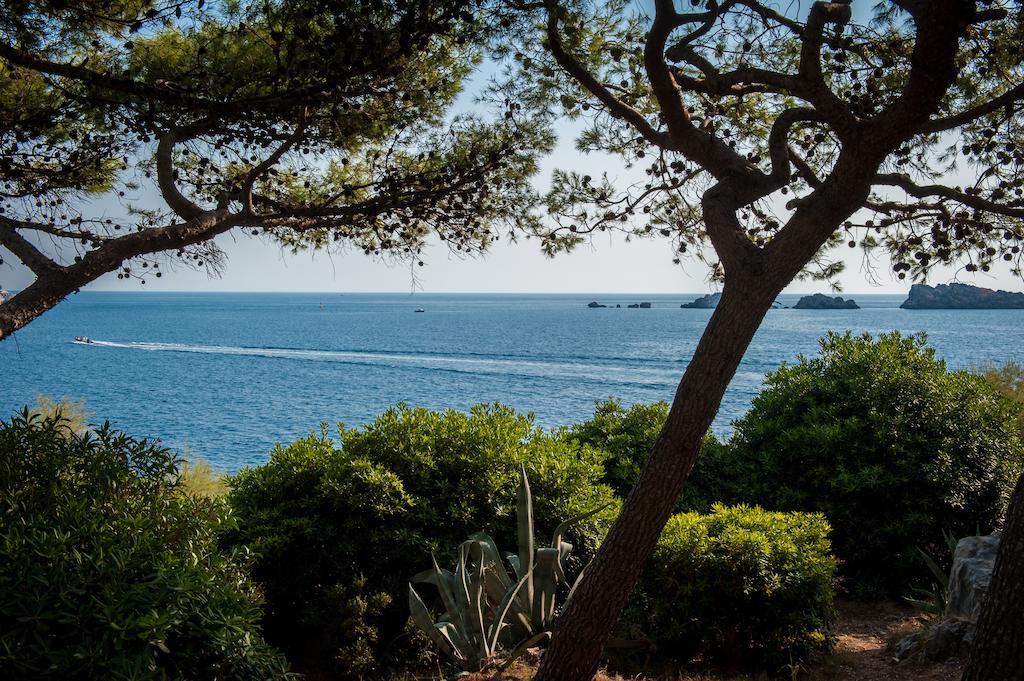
(1008, 379)
(627, 437)
(891, 447)
(198, 478)
(74, 413)
(109, 571)
(742, 586)
(338, 527)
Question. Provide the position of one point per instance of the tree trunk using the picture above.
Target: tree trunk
(594, 609)
(997, 653)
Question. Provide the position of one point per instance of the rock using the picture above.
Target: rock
(819, 301)
(634, 305)
(594, 303)
(618, 306)
(939, 642)
(645, 305)
(708, 302)
(973, 562)
(961, 297)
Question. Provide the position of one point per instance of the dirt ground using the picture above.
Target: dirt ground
(865, 633)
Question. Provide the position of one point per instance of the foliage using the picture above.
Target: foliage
(892, 448)
(1008, 379)
(312, 123)
(754, 101)
(934, 600)
(485, 610)
(627, 436)
(338, 526)
(742, 585)
(110, 572)
(73, 413)
(198, 478)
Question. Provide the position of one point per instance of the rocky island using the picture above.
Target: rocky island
(708, 302)
(819, 301)
(961, 297)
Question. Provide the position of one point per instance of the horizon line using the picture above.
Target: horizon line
(498, 293)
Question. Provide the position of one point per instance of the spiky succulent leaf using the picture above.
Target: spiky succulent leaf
(524, 517)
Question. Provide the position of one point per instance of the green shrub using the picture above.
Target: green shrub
(741, 586)
(339, 527)
(74, 413)
(109, 571)
(1008, 379)
(626, 436)
(891, 447)
(198, 478)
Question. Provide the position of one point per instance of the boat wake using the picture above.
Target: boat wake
(635, 374)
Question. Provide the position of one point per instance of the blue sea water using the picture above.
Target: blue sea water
(228, 375)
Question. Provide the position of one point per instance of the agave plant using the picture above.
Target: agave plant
(487, 610)
(934, 601)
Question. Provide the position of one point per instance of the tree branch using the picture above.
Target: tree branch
(582, 76)
(176, 201)
(34, 259)
(1009, 98)
(905, 183)
(270, 161)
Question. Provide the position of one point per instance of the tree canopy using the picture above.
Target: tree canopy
(744, 115)
(312, 122)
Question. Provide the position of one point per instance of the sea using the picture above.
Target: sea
(226, 376)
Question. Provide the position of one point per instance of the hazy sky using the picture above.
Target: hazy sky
(609, 265)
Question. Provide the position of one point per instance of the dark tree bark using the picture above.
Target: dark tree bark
(602, 595)
(998, 650)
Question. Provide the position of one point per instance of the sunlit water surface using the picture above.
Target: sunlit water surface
(228, 375)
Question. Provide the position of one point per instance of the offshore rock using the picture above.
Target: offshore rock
(819, 301)
(594, 303)
(961, 297)
(708, 302)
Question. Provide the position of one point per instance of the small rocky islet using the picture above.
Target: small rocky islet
(921, 297)
(961, 297)
(708, 302)
(819, 301)
(595, 304)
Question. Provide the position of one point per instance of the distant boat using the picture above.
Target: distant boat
(83, 339)
(419, 309)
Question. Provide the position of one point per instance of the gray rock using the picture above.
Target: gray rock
(645, 305)
(708, 302)
(939, 642)
(961, 297)
(973, 562)
(594, 303)
(819, 301)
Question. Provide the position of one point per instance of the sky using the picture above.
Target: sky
(608, 265)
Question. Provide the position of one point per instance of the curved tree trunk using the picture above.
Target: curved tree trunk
(595, 607)
(54, 282)
(998, 650)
